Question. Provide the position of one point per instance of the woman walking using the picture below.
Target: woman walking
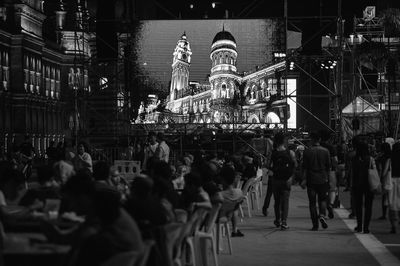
(394, 193)
(361, 188)
(384, 168)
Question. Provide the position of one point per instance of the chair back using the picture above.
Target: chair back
(148, 245)
(128, 258)
(128, 169)
(172, 233)
(212, 217)
(202, 214)
(247, 186)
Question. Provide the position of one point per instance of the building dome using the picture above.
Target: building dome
(224, 35)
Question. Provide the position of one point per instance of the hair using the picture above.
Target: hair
(101, 170)
(85, 146)
(9, 175)
(161, 170)
(396, 152)
(152, 134)
(325, 135)
(193, 179)
(362, 149)
(315, 136)
(228, 175)
(79, 184)
(279, 138)
(160, 136)
(45, 173)
(386, 150)
(142, 186)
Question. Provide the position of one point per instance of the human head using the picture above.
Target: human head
(362, 149)
(315, 138)
(11, 181)
(82, 148)
(142, 187)
(115, 175)
(228, 175)
(193, 180)
(101, 171)
(45, 174)
(160, 137)
(63, 171)
(279, 139)
(152, 137)
(161, 170)
(78, 192)
(386, 149)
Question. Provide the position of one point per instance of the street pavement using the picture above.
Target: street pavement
(263, 244)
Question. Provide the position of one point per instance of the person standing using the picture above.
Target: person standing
(162, 152)
(326, 143)
(394, 193)
(316, 165)
(83, 160)
(361, 187)
(383, 165)
(283, 165)
(150, 149)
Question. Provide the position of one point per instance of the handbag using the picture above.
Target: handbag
(373, 178)
(387, 178)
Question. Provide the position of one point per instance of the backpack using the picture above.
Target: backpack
(283, 165)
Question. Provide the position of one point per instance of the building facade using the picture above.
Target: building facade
(38, 74)
(228, 96)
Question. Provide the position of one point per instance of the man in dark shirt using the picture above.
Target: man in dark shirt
(316, 165)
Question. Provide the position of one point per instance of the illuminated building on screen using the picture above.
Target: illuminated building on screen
(228, 96)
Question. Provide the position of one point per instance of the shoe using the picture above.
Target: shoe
(284, 226)
(366, 231)
(314, 228)
(265, 211)
(277, 223)
(352, 216)
(323, 222)
(393, 230)
(358, 229)
(382, 218)
(330, 211)
(237, 234)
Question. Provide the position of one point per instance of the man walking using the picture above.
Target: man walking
(283, 165)
(316, 165)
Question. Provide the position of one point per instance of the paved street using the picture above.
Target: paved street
(264, 245)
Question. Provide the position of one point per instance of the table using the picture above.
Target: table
(28, 249)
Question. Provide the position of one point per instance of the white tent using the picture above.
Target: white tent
(368, 115)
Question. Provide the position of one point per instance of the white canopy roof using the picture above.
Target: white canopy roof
(360, 106)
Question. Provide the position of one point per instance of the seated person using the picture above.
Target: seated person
(101, 175)
(48, 188)
(107, 231)
(193, 195)
(210, 177)
(249, 169)
(118, 182)
(179, 181)
(63, 171)
(161, 174)
(145, 207)
(11, 191)
(231, 195)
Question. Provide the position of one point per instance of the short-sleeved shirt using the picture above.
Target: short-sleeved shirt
(317, 164)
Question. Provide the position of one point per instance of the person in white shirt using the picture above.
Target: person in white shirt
(150, 149)
(162, 152)
(83, 160)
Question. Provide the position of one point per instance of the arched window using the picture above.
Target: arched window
(226, 59)
(220, 58)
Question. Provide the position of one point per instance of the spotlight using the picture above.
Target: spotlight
(213, 4)
(191, 6)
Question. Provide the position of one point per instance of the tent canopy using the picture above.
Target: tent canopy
(360, 106)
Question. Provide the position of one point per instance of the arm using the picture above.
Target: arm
(85, 159)
(293, 156)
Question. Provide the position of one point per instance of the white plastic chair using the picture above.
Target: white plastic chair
(225, 215)
(247, 195)
(201, 238)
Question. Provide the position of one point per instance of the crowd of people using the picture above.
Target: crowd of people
(113, 215)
